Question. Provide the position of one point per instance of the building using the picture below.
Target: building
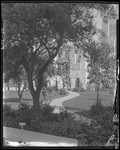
(109, 27)
(77, 72)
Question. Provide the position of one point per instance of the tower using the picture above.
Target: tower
(77, 67)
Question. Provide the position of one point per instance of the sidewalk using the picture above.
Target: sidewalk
(14, 136)
(58, 102)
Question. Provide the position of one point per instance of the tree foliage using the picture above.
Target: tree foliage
(34, 32)
(101, 64)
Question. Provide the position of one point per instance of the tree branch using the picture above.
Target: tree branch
(44, 67)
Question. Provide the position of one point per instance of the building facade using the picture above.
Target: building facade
(109, 28)
(77, 65)
(78, 73)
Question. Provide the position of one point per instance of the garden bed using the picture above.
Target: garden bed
(62, 124)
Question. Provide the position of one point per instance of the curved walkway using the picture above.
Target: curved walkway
(58, 102)
(58, 105)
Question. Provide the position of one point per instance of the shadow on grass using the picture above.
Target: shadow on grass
(94, 99)
(25, 99)
(15, 100)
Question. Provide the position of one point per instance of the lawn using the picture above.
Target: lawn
(13, 96)
(87, 99)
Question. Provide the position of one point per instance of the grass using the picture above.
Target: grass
(13, 96)
(87, 99)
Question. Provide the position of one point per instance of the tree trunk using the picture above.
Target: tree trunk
(63, 84)
(36, 95)
(20, 92)
(36, 107)
(8, 88)
(56, 85)
(70, 84)
(98, 99)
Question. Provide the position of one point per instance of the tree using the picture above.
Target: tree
(100, 62)
(34, 33)
(18, 78)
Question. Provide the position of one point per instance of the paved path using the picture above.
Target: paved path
(58, 102)
(13, 135)
(58, 105)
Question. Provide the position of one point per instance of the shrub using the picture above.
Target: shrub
(82, 89)
(104, 89)
(47, 109)
(11, 117)
(104, 118)
(88, 87)
(12, 122)
(63, 124)
(78, 89)
(47, 113)
(64, 115)
(24, 113)
(96, 109)
(8, 114)
(62, 92)
(6, 110)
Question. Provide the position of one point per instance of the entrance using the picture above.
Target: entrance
(77, 82)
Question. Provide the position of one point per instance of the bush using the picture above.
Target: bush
(82, 90)
(47, 109)
(24, 113)
(78, 89)
(63, 124)
(12, 118)
(6, 110)
(47, 114)
(104, 118)
(96, 109)
(62, 92)
(104, 89)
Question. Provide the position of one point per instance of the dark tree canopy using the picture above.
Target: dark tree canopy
(34, 32)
